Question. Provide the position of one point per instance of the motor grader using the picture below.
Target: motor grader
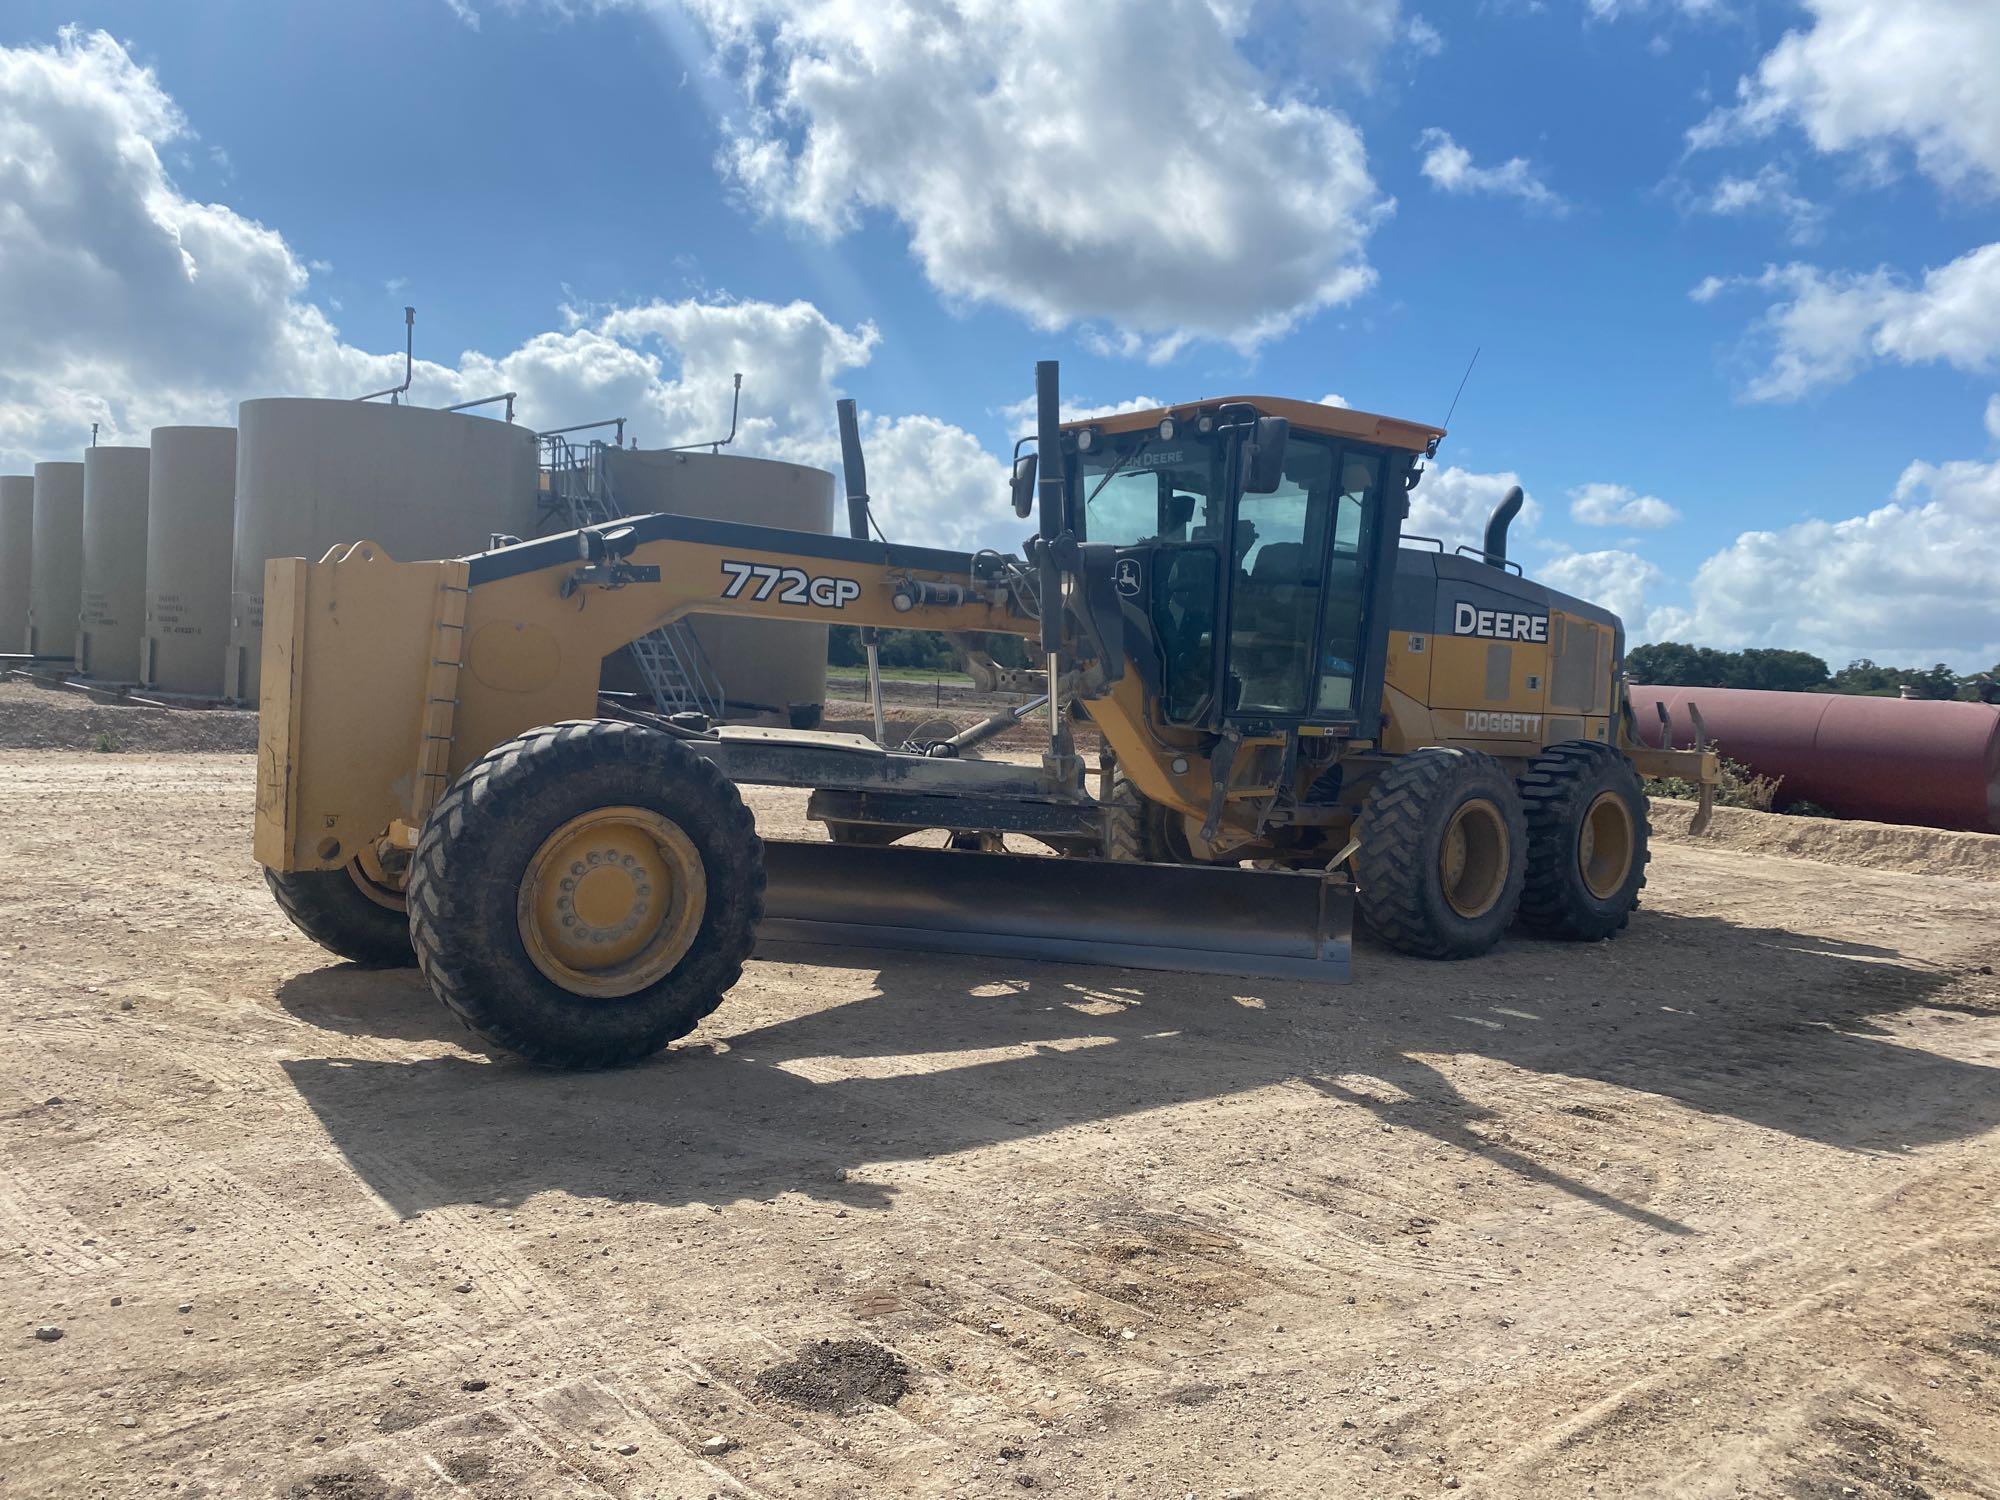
(1298, 707)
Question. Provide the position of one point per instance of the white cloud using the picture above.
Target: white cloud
(1911, 581)
(1454, 505)
(127, 303)
(1449, 167)
(1020, 415)
(1329, 399)
(933, 482)
(1877, 75)
(1827, 325)
(1993, 418)
(1617, 505)
(1616, 10)
(1614, 579)
(1423, 38)
(1771, 192)
(1077, 192)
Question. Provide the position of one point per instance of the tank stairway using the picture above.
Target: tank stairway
(671, 661)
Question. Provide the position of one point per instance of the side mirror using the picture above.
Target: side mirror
(1264, 456)
(1023, 485)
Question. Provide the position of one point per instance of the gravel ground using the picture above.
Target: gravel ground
(1711, 1210)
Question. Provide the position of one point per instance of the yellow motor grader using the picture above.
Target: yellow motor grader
(1299, 707)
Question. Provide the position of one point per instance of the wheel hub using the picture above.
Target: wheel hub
(612, 900)
(1604, 845)
(1472, 861)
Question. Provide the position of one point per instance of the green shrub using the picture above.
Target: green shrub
(1740, 787)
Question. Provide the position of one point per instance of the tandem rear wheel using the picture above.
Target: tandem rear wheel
(585, 893)
(1443, 853)
(1587, 837)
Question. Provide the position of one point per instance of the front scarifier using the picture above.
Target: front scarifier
(586, 893)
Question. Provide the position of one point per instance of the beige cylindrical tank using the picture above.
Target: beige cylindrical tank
(17, 563)
(190, 521)
(765, 667)
(312, 473)
(55, 578)
(113, 616)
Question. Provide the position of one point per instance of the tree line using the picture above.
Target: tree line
(1672, 664)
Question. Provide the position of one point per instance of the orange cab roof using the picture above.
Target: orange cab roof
(1307, 416)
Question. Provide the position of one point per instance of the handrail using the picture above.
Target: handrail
(618, 422)
(507, 396)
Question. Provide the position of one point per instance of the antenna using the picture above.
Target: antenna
(1461, 384)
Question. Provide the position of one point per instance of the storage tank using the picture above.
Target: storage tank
(113, 616)
(313, 473)
(765, 667)
(1891, 760)
(17, 531)
(55, 579)
(190, 521)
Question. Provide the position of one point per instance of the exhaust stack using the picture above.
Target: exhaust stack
(1496, 528)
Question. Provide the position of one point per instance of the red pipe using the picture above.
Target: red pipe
(1893, 760)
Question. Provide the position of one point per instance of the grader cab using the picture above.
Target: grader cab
(1298, 708)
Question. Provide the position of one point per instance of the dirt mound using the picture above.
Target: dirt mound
(36, 717)
(1834, 841)
(838, 1375)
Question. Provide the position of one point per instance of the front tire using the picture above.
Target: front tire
(347, 913)
(1587, 837)
(1141, 831)
(585, 893)
(1443, 852)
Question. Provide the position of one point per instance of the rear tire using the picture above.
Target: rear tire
(1587, 837)
(1443, 853)
(586, 893)
(363, 923)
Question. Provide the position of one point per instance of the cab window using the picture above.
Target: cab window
(1281, 539)
(1339, 660)
(1149, 489)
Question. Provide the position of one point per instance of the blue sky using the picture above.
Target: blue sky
(1690, 238)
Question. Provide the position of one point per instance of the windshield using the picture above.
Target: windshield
(1144, 488)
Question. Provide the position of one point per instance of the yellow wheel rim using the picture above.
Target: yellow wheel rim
(612, 901)
(1472, 861)
(366, 871)
(1604, 846)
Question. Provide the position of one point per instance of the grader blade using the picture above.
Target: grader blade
(1205, 920)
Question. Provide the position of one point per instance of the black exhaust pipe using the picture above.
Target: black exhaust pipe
(1496, 528)
(853, 470)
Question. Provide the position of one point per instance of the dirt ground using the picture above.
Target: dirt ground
(1712, 1210)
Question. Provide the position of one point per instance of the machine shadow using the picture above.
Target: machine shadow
(1760, 1025)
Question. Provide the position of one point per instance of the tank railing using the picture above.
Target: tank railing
(618, 422)
(507, 396)
(676, 669)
